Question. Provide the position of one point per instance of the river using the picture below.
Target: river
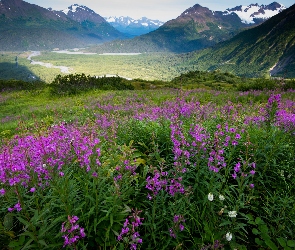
(63, 69)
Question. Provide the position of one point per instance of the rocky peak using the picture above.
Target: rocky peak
(82, 13)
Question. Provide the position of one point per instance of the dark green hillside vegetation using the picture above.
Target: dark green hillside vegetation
(213, 79)
(13, 71)
(25, 26)
(13, 85)
(74, 84)
(266, 49)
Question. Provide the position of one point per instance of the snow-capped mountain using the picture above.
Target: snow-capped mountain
(255, 13)
(134, 27)
(82, 13)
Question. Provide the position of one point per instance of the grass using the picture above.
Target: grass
(161, 168)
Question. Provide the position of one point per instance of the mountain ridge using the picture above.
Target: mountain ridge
(195, 28)
(133, 27)
(26, 26)
(265, 50)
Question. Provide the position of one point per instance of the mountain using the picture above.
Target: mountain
(195, 29)
(266, 49)
(255, 13)
(133, 27)
(82, 14)
(26, 26)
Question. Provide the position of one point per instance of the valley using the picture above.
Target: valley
(147, 66)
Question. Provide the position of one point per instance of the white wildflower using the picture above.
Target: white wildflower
(228, 236)
(232, 214)
(221, 197)
(210, 197)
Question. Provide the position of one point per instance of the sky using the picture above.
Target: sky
(162, 10)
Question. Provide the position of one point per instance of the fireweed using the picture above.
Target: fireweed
(129, 231)
(178, 222)
(71, 231)
(210, 154)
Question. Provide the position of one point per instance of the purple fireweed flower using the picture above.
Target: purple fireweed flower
(232, 130)
(2, 191)
(32, 190)
(72, 232)
(17, 206)
(133, 246)
(252, 172)
(126, 223)
(251, 185)
(129, 229)
(237, 168)
(172, 234)
(178, 226)
(118, 177)
(94, 174)
(176, 218)
(73, 219)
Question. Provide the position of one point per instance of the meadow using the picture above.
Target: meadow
(159, 168)
(147, 66)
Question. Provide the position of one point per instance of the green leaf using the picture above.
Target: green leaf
(259, 242)
(265, 236)
(42, 242)
(282, 242)
(8, 221)
(291, 243)
(225, 223)
(270, 244)
(111, 219)
(46, 228)
(255, 231)
(26, 223)
(263, 228)
(259, 221)
(22, 239)
(250, 217)
(13, 244)
(287, 248)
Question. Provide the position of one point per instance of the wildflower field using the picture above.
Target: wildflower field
(150, 169)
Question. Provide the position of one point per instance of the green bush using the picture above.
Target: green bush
(73, 84)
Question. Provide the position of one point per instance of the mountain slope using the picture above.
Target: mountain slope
(266, 49)
(196, 28)
(25, 26)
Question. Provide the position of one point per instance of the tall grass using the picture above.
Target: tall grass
(153, 169)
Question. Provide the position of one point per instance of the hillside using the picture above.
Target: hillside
(195, 29)
(266, 49)
(25, 26)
